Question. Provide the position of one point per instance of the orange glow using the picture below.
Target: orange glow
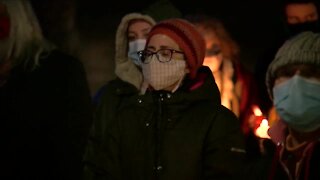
(261, 123)
(262, 130)
(256, 110)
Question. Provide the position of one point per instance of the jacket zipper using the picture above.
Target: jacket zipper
(158, 134)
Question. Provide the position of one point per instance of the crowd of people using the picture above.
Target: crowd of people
(181, 107)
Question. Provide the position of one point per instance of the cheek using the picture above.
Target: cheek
(280, 80)
(213, 63)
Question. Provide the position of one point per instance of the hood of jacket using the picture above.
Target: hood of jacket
(202, 88)
(125, 69)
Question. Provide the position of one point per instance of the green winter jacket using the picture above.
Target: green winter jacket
(186, 135)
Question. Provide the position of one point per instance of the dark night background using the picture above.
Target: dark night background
(86, 29)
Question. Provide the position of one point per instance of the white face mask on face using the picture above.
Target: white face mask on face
(134, 47)
(160, 75)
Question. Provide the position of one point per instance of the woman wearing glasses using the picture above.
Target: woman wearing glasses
(176, 128)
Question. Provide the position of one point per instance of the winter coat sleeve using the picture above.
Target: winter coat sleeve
(224, 152)
(70, 138)
(80, 112)
(64, 100)
(102, 149)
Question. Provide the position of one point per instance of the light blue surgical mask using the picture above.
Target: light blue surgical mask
(134, 47)
(298, 103)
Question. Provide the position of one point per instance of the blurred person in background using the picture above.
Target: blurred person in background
(131, 37)
(301, 15)
(235, 84)
(45, 106)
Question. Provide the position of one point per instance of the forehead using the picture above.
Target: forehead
(138, 25)
(307, 70)
(162, 40)
(297, 9)
(209, 36)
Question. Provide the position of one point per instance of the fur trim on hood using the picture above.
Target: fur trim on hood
(125, 69)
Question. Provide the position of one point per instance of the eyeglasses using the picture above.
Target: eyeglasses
(163, 55)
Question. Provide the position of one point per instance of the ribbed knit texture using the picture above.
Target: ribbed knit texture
(187, 37)
(301, 49)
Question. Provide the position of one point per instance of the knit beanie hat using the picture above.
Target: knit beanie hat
(187, 37)
(303, 48)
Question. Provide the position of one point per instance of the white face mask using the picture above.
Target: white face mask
(134, 47)
(162, 75)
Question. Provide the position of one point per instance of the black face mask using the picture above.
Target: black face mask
(294, 29)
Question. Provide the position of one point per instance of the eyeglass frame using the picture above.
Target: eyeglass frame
(140, 53)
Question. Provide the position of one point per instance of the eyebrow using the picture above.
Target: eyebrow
(162, 47)
(131, 34)
(166, 47)
(146, 29)
(151, 48)
(143, 30)
(312, 14)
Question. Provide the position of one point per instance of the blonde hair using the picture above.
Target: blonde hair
(229, 47)
(26, 39)
(230, 55)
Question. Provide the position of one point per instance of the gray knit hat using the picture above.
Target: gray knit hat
(303, 48)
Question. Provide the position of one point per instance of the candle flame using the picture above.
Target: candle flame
(262, 130)
(256, 110)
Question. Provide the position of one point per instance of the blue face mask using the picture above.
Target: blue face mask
(134, 47)
(298, 103)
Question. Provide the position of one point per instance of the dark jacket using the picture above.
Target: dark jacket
(161, 135)
(308, 168)
(45, 117)
(300, 163)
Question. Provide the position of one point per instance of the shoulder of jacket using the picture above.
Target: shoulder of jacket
(117, 87)
(60, 60)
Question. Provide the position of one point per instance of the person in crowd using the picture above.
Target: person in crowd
(235, 84)
(175, 127)
(131, 37)
(45, 106)
(301, 15)
(293, 82)
(296, 16)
